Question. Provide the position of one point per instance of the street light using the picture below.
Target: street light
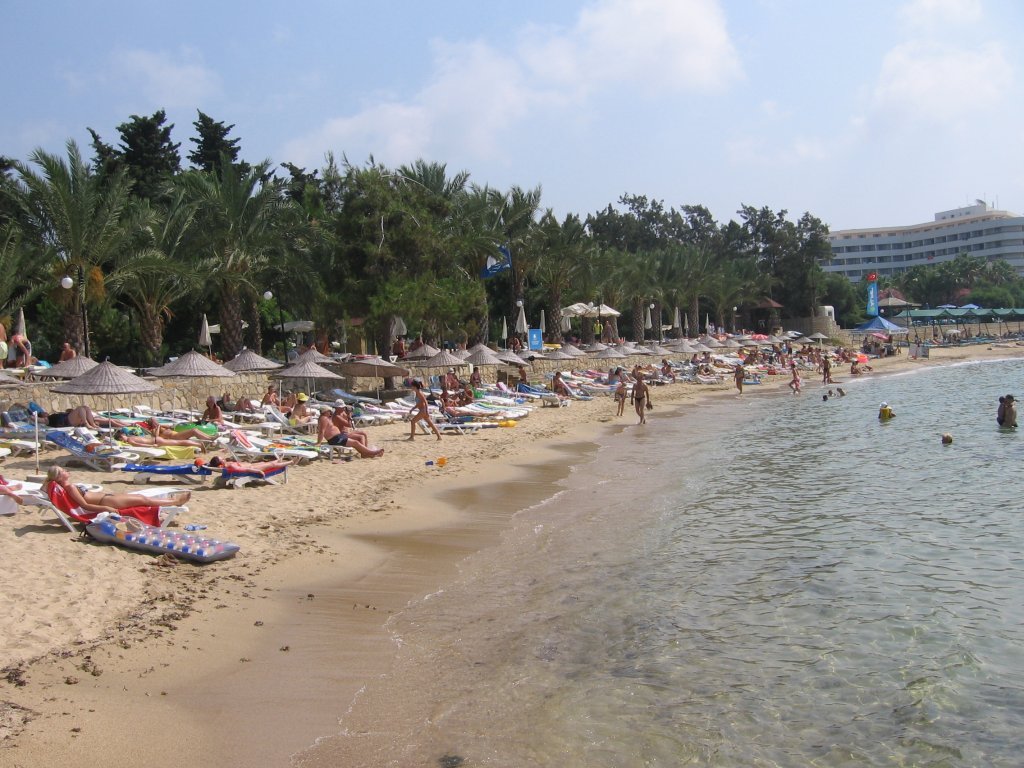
(67, 283)
(734, 309)
(653, 337)
(268, 295)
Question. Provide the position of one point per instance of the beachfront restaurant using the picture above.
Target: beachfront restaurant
(962, 323)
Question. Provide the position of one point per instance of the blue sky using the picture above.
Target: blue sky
(861, 112)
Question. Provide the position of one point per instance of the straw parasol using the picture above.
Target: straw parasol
(6, 380)
(509, 357)
(193, 365)
(422, 353)
(558, 355)
(313, 355)
(483, 356)
(442, 359)
(106, 379)
(569, 349)
(371, 367)
(307, 370)
(608, 353)
(69, 369)
(247, 360)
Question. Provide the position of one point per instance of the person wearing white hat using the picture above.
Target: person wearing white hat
(885, 412)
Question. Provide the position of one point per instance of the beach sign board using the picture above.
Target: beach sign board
(536, 339)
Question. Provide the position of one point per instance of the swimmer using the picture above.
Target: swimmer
(947, 439)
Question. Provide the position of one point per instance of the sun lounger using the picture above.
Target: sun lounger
(144, 473)
(101, 458)
(67, 512)
(245, 447)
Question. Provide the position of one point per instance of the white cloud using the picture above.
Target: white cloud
(165, 80)
(935, 83)
(475, 96)
(941, 12)
(652, 45)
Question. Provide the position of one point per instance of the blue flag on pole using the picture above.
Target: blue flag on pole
(498, 263)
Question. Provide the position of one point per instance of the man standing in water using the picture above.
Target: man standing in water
(641, 397)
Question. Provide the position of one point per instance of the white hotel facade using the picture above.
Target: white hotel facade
(978, 230)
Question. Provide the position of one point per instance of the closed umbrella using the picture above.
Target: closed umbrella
(566, 323)
(647, 319)
(521, 326)
(398, 327)
(543, 325)
(204, 334)
(677, 320)
(504, 330)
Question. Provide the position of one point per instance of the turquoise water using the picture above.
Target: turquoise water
(761, 581)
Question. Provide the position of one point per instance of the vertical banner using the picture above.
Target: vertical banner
(536, 339)
(872, 308)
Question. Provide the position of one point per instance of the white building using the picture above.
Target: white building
(978, 230)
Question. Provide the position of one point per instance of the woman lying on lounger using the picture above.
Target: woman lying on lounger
(101, 501)
(158, 441)
(261, 468)
(156, 429)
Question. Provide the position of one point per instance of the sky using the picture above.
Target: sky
(863, 113)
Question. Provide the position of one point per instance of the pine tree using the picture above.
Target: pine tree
(213, 145)
(152, 158)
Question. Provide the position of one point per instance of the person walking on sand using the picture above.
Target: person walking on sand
(620, 396)
(641, 398)
(738, 375)
(420, 412)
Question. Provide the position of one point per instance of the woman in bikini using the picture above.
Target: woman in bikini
(641, 396)
(101, 501)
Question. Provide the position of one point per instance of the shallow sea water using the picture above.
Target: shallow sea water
(758, 581)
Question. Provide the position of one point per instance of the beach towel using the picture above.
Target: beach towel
(59, 499)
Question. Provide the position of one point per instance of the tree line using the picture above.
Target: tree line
(148, 246)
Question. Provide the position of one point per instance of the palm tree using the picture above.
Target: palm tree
(76, 218)
(562, 251)
(154, 272)
(239, 213)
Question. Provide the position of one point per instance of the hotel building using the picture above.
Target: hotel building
(978, 230)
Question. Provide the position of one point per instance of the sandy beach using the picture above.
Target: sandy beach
(113, 657)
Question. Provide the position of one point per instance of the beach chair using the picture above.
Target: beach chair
(237, 477)
(144, 473)
(276, 417)
(247, 447)
(67, 512)
(102, 457)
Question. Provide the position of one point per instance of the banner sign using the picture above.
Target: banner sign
(872, 299)
(536, 339)
(498, 263)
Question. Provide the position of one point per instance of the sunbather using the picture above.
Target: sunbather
(213, 413)
(156, 429)
(158, 441)
(102, 501)
(328, 432)
(84, 416)
(270, 398)
(342, 418)
(259, 467)
(8, 488)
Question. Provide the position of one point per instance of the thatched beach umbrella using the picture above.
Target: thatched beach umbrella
(483, 356)
(69, 369)
(193, 365)
(248, 361)
(371, 367)
(608, 354)
(307, 370)
(572, 351)
(509, 357)
(443, 359)
(422, 353)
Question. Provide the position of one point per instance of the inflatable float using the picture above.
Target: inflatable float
(114, 529)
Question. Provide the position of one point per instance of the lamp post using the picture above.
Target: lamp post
(268, 295)
(734, 310)
(67, 283)
(653, 337)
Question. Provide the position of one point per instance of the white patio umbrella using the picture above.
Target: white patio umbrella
(566, 324)
(504, 329)
(677, 319)
(647, 318)
(398, 327)
(543, 325)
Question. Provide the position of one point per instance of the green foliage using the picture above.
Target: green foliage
(213, 147)
(149, 154)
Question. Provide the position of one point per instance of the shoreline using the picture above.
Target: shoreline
(235, 661)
